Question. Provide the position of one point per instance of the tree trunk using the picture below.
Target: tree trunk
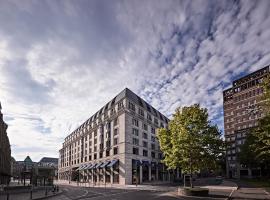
(190, 166)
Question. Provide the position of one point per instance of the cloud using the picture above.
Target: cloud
(62, 61)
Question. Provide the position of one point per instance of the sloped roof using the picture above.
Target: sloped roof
(49, 160)
(28, 159)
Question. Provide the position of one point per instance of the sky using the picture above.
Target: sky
(61, 61)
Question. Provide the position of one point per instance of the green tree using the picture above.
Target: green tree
(190, 141)
(247, 154)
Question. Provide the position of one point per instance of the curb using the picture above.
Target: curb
(45, 197)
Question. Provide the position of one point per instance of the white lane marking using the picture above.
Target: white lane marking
(231, 194)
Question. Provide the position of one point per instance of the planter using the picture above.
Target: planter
(201, 192)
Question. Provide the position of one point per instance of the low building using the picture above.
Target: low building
(118, 144)
(5, 152)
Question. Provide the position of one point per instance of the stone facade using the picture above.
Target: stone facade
(242, 110)
(118, 144)
(5, 152)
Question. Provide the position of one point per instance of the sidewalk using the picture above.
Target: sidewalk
(154, 187)
(37, 194)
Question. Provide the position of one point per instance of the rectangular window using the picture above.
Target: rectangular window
(145, 144)
(107, 152)
(115, 150)
(135, 122)
(115, 132)
(153, 130)
(149, 117)
(141, 112)
(152, 138)
(120, 105)
(115, 141)
(135, 131)
(145, 136)
(156, 121)
(115, 122)
(153, 155)
(135, 151)
(131, 106)
(145, 153)
(95, 156)
(90, 157)
(153, 146)
(145, 127)
(100, 154)
(135, 141)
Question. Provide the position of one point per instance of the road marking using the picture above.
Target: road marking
(231, 193)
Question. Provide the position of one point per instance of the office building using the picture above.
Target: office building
(117, 145)
(242, 110)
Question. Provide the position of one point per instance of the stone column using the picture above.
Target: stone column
(111, 175)
(149, 172)
(141, 174)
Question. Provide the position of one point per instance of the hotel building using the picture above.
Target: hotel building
(242, 110)
(117, 145)
(5, 152)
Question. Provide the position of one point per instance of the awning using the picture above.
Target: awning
(105, 164)
(80, 167)
(145, 163)
(113, 162)
(98, 165)
(93, 166)
(87, 166)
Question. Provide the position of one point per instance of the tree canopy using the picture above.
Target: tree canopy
(191, 142)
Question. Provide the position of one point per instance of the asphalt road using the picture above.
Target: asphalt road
(76, 193)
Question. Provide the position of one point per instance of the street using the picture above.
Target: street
(72, 193)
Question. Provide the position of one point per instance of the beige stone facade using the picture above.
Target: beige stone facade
(5, 152)
(118, 144)
(242, 110)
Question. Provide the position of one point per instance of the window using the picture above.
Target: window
(160, 156)
(95, 141)
(100, 154)
(107, 152)
(145, 127)
(115, 121)
(153, 131)
(135, 122)
(95, 133)
(141, 112)
(145, 153)
(153, 146)
(156, 121)
(135, 131)
(145, 136)
(149, 117)
(153, 155)
(145, 144)
(115, 132)
(120, 105)
(95, 156)
(95, 148)
(85, 159)
(135, 151)
(115, 141)
(115, 150)
(152, 138)
(135, 141)
(131, 106)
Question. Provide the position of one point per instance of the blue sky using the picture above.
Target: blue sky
(60, 61)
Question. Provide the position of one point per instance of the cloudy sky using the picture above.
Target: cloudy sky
(60, 61)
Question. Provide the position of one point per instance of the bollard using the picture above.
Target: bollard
(31, 194)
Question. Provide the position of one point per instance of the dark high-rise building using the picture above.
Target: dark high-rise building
(242, 110)
(5, 152)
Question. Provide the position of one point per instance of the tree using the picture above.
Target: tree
(247, 155)
(190, 141)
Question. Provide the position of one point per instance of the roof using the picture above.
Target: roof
(126, 93)
(49, 160)
(28, 159)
